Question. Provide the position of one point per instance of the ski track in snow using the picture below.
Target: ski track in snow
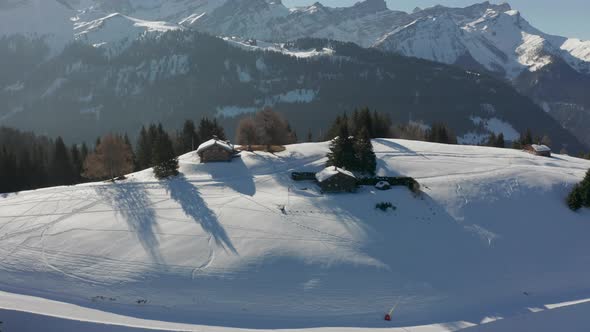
(215, 240)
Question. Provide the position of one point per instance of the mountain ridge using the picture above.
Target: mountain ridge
(482, 37)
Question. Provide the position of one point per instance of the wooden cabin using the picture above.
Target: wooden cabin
(334, 179)
(215, 150)
(538, 150)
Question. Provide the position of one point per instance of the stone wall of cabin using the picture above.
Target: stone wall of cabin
(215, 153)
(339, 183)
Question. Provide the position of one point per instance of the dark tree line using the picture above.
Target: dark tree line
(155, 145)
(496, 141)
(379, 125)
(28, 161)
(351, 146)
(376, 125)
(441, 133)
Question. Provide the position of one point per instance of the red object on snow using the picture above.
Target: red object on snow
(388, 317)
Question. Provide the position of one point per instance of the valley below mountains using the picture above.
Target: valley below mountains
(117, 64)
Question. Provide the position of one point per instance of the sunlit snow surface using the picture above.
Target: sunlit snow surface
(489, 237)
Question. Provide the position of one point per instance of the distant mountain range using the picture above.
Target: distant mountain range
(495, 39)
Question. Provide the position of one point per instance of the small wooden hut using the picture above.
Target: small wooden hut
(538, 150)
(215, 150)
(334, 179)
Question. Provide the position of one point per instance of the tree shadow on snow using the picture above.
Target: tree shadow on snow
(444, 264)
(396, 146)
(235, 175)
(132, 202)
(193, 205)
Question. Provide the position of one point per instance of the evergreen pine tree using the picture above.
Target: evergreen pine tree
(61, 167)
(83, 152)
(8, 168)
(342, 152)
(364, 122)
(527, 138)
(575, 200)
(291, 137)
(129, 146)
(77, 163)
(209, 129)
(163, 159)
(40, 173)
(334, 130)
(492, 140)
(218, 130)
(500, 143)
(580, 195)
(144, 149)
(24, 170)
(189, 140)
(441, 133)
(585, 190)
(382, 125)
(366, 160)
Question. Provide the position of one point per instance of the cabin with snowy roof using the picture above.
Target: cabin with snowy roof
(538, 150)
(334, 179)
(216, 150)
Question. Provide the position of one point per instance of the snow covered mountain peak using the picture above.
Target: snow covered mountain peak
(154, 10)
(116, 31)
(496, 37)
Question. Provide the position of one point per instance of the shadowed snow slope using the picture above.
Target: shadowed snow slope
(490, 236)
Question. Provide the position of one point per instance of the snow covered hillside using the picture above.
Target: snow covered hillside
(489, 238)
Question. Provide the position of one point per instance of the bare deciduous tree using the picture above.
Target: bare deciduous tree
(272, 128)
(112, 158)
(246, 133)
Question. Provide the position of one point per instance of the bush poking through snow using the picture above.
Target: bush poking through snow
(384, 206)
(166, 169)
(580, 195)
(574, 199)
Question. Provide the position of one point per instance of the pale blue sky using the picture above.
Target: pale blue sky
(570, 18)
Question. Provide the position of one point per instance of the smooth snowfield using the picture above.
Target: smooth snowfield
(489, 238)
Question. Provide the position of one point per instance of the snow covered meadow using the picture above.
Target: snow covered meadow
(490, 237)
